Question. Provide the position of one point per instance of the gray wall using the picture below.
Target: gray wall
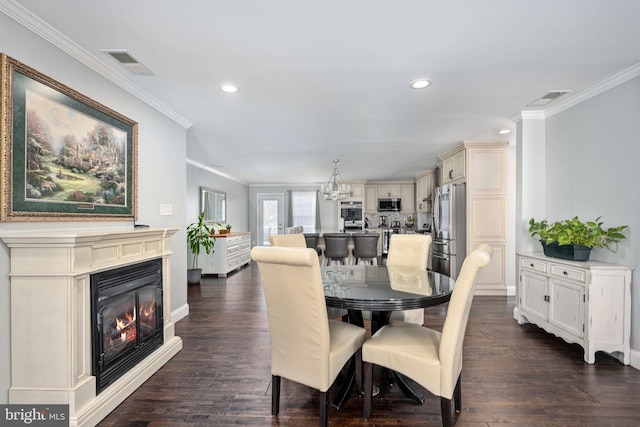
(237, 196)
(161, 167)
(328, 209)
(592, 152)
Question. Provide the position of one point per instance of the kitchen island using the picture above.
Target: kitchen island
(379, 231)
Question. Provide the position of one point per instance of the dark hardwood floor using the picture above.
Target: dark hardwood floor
(513, 375)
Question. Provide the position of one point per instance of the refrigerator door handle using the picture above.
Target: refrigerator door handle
(438, 256)
(436, 212)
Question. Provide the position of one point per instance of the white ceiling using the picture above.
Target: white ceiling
(330, 79)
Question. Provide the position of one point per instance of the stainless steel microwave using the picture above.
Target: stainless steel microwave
(389, 205)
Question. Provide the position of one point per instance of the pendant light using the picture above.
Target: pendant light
(335, 189)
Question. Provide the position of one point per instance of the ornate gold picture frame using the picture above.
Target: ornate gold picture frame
(64, 157)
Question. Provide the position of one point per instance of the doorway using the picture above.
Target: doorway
(270, 216)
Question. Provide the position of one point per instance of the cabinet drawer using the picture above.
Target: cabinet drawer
(232, 249)
(533, 264)
(237, 261)
(567, 272)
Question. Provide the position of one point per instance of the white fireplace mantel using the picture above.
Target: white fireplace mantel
(50, 316)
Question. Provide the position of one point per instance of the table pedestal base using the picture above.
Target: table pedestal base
(378, 320)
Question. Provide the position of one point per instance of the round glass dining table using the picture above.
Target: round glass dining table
(384, 289)
(381, 290)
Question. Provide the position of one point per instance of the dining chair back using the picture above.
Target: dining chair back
(432, 359)
(306, 346)
(365, 247)
(409, 250)
(336, 247)
(300, 241)
(312, 241)
(289, 240)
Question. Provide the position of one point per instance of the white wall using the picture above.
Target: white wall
(592, 152)
(161, 166)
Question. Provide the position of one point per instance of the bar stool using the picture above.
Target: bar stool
(336, 247)
(312, 241)
(365, 247)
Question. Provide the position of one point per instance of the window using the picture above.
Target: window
(303, 210)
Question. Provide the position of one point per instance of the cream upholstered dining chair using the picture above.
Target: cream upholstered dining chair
(306, 346)
(409, 250)
(299, 241)
(289, 240)
(433, 359)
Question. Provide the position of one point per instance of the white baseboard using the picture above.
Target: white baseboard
(180, 313)
(635, 359)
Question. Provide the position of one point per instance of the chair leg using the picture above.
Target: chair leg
(324, 408)
(275, 395)
(457, 396)
(368, 390)
(445, 408)
(359, 371)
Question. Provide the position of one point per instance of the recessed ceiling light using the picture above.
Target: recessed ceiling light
(420, 83)
(229, 88)
(504, 131)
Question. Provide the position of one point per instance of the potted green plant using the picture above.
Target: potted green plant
(573, 239)
(199, 236)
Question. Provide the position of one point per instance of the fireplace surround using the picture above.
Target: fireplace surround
(51, 327)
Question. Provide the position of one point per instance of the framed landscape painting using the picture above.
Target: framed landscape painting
(64, 157)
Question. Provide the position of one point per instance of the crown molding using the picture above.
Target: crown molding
(35, 24)
(595, 90)
(214, 171)
(530, 115)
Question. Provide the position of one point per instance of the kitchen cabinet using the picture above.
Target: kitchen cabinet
(371, 198)
(453, 166)
(381, 190)
(483, 167)
(425, 183)
(357, 191)
(389, 190)
(587, 303)
(407, 195)
(232, 251)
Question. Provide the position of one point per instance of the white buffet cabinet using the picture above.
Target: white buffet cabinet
(588, 303)
(232, 251)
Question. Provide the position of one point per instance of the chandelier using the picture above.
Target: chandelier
(335, 189)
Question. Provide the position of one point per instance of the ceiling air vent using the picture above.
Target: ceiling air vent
(552, 95)
(129, 62)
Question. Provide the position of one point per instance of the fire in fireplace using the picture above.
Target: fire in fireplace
(126, 312)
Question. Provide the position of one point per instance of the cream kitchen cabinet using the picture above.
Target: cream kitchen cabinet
(424, 190)
(371, 198)
(232, 251)
(408, 198)
(588, 303)
(453, 165)
(357, 192)
(391, 190)
(484, 170)
(399, 190)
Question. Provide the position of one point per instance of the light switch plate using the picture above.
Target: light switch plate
(166, 209)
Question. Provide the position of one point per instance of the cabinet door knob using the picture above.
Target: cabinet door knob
(565, 273)
(451, 174)
(531, 264)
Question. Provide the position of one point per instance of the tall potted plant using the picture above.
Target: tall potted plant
(199, 236)
(573, 239)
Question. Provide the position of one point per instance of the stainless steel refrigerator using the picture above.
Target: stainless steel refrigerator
(449, 246)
